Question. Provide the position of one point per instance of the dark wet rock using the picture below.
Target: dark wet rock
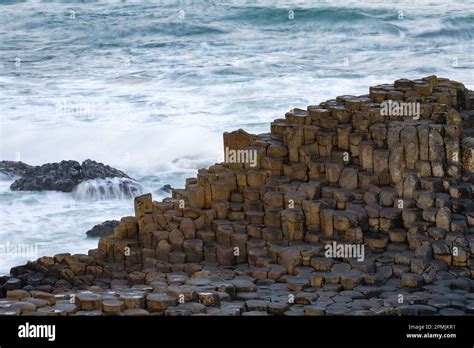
(61, 176)
(424, 309)
(177, 312)
(64, 176)
(103, 229)
(12, 169)
(13, 284)
(195, 308)
(95, 170)
(470, 308)
(256, 305)
(451, 312)
(166, 188)
(278, 308)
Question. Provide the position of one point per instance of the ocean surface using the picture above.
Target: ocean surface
(149, 86)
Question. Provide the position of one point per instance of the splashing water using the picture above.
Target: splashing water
(109, 188)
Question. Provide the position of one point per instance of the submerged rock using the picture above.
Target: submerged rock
(106, 228)
(64, 176)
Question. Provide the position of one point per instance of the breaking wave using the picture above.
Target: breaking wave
(105, 189)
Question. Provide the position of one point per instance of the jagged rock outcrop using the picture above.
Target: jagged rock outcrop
(64, 176)
(12, 169)
(361, 205)
(103, 229)
(166, 188)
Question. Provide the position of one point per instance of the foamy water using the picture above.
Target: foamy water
(149, 87)
(52, 222)
(107, 189)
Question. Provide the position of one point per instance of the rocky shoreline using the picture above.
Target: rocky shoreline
(388, 192)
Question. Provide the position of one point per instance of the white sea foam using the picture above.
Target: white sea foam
(109, 188)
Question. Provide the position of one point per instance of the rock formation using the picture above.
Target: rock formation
(12, 169)
(361, 205)
(166, 188)
(103, 229)
(63, 176)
